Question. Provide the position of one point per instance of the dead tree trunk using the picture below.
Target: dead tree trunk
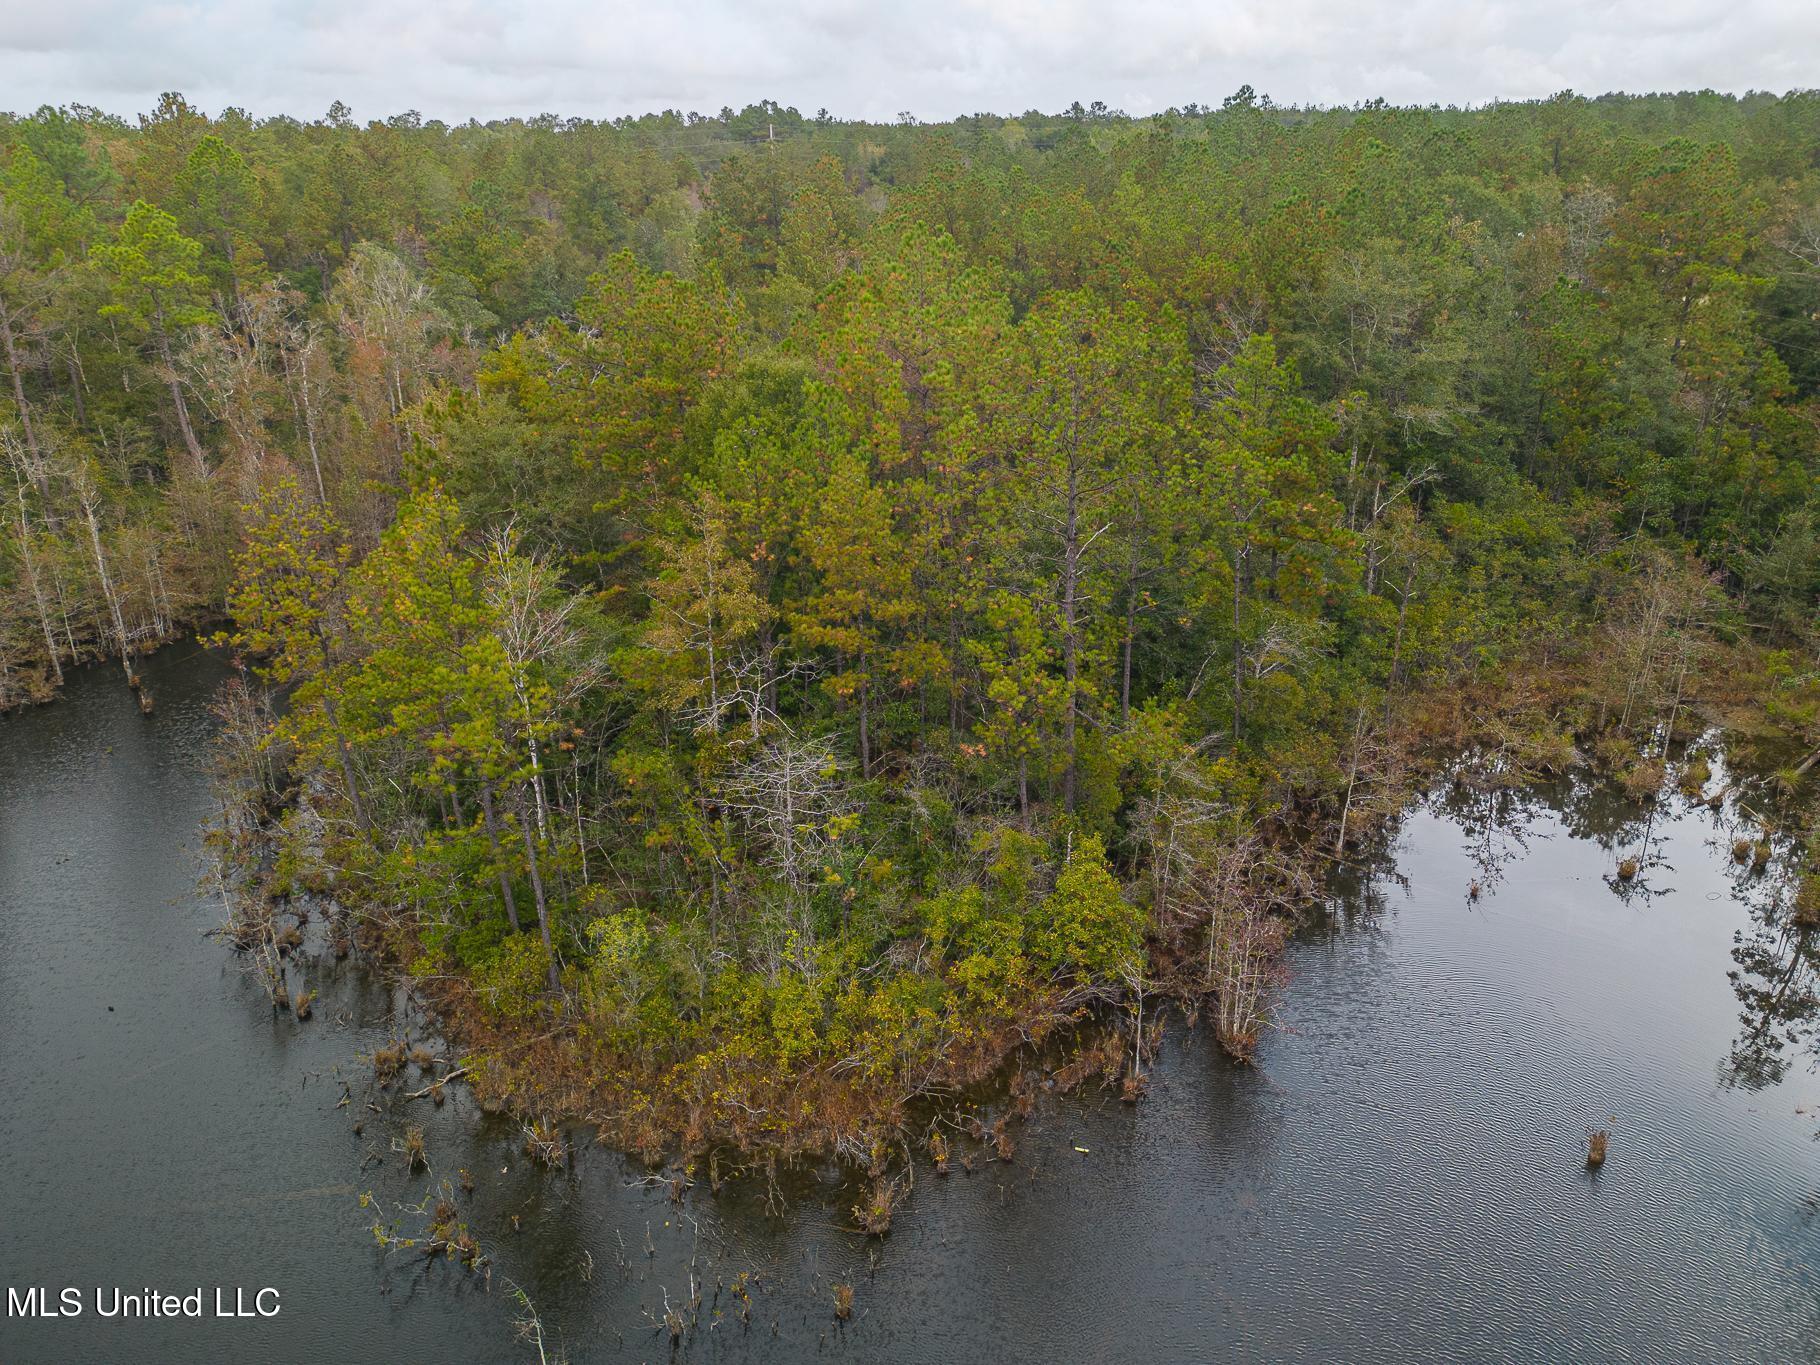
(543, 908)
(30, 562)
(86, 494)
(491, 820)
(190, 443)
(12, 365)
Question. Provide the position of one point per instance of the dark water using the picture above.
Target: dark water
(1399, 1179)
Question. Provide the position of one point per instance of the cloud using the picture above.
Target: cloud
(465, 58)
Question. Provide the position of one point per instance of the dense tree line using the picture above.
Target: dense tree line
(798, 603)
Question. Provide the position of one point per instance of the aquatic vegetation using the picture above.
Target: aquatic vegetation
(388, 1061)
(883, 1195)
(938, 1153)
(1643, 779)
(1806, 910)
(543, 1143)
(432, 1228)
(1004, 1145)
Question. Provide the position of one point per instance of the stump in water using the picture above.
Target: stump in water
(1741, 850)
(145, 703)
(843, 1301)
(1628, 869)
(1595, 1148)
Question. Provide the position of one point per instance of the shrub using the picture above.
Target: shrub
(511, 978)
(1086, 925)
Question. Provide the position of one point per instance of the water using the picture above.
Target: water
(1400, 1178)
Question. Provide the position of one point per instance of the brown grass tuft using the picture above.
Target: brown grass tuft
(882, 1199)
(388, 1061)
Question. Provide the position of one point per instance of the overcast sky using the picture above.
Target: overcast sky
(454, 59)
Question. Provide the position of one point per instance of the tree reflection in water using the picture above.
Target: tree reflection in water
(1775, 982)
(1777, 962)
(1495, 802)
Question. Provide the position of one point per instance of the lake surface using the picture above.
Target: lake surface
(1399, 1178)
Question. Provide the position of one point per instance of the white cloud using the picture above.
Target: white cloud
(459, 58)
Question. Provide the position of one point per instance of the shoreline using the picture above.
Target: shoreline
(553, 1068)
(47, 692)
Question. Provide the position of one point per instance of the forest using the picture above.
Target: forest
(763, 616)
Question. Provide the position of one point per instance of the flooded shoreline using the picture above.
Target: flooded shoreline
(1401, 1175)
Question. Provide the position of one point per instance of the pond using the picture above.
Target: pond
(1400, 1177)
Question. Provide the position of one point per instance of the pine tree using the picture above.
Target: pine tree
(154, 287)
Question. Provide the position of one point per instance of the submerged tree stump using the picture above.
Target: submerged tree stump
(1595, 1149)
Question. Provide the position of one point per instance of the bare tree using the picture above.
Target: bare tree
(301, 352)
(224, 366)
(88, 497)
(791, 798)
(550, 665)
(1243, 894)
(1585, 224)
(21, 293)
(1802, 239)
(382, 305)
(25, 463)
(787, 795)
